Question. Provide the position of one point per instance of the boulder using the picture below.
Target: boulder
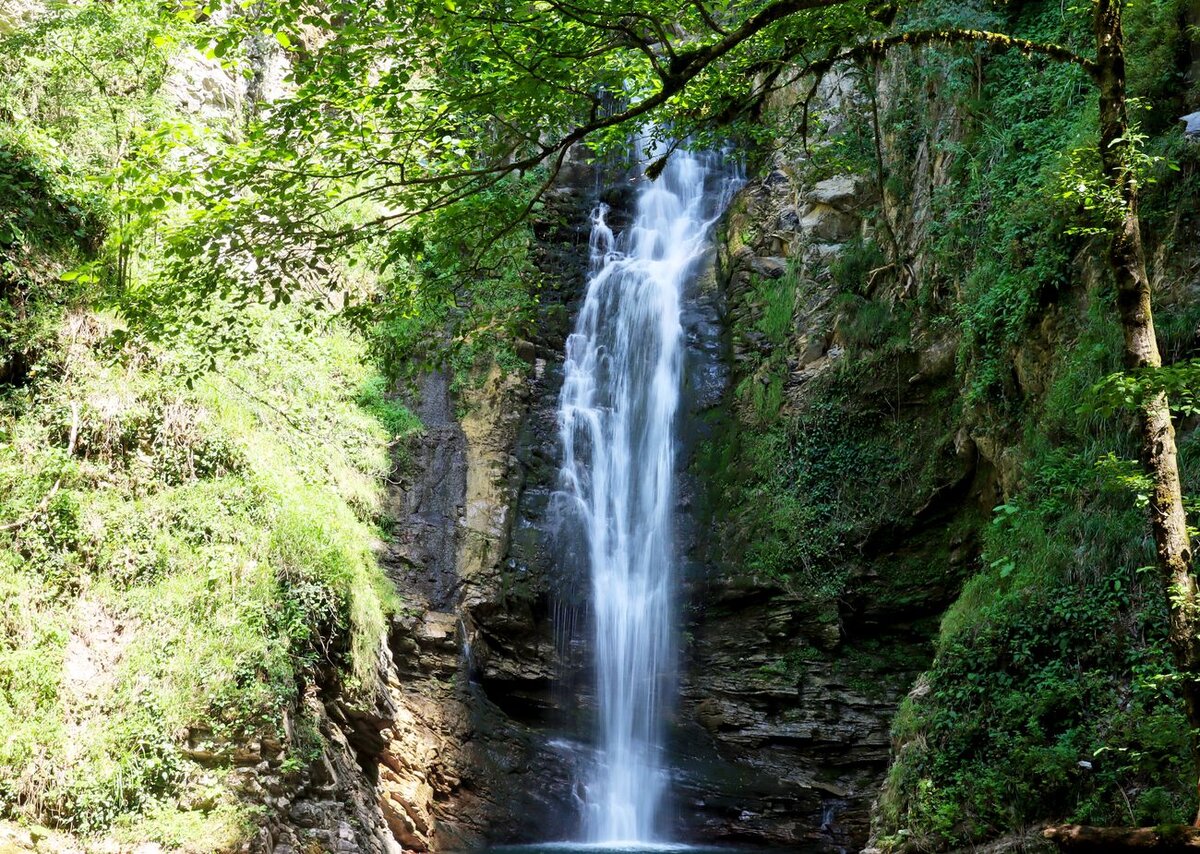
(199, 85)
(827, 224)
(843, 192)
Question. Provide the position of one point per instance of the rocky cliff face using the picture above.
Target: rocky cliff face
(459, 749)
(433, 762)
(793, 696)
(792, 680)
(826, 420)
(868, 442)
(781, 734)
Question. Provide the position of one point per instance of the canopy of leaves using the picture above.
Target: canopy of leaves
(400, 110)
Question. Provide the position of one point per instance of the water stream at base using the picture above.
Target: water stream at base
(617, 412)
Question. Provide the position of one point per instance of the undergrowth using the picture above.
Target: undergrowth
(182, 549)
(222, 532)
(1052, 695)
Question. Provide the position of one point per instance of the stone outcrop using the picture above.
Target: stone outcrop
(457, 748)
(787, 702)
(202, 87)
(781, 734)
(434, 764)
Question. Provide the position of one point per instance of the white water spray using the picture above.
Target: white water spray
(621, 393)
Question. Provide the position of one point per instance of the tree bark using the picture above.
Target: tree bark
(1074, 837)
(1128, 263)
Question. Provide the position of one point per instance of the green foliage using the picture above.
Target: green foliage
(1082, 181)
(89, 75)
(1027, 174)
(181, 547)
(772, 301)
(995, 226)
(454, 300)
(776, 301)
(470, 97)
(48, 215)
(1053, 691)
(1029, 714)
(222, 532)
(851, 270)
(46, 208)
(397, 419)
(798, 491)
(1131, 390)
(872, 323)
(795, 532)
(445, 154)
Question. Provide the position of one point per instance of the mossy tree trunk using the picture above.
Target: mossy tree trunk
(1127, 260)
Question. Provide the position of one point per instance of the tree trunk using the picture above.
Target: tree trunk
(1074, 837)
(1128, 262)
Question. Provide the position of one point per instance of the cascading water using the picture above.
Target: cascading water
(617, 413)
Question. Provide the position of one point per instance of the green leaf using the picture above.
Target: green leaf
(79, 275)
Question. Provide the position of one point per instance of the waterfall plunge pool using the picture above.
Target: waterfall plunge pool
(639, 848)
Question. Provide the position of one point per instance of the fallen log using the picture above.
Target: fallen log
(1164, 838)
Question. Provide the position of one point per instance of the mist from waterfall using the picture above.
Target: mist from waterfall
(617, 416)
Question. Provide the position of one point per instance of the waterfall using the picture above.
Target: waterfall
(617, 414)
